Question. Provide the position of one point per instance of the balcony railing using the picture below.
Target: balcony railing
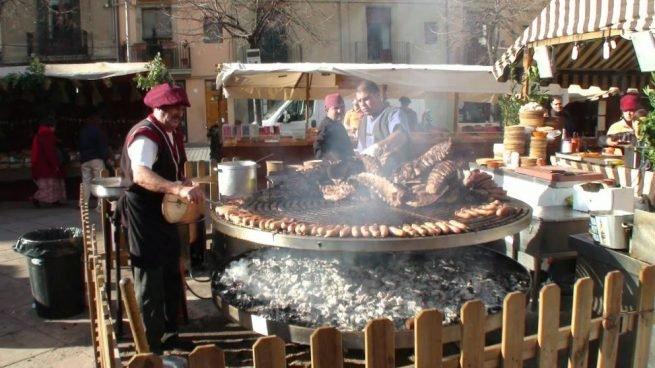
(174, 55)
(399, 53)
(72, 45)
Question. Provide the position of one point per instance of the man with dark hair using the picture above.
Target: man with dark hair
(383, 128)
(560, 118)
(94, 151)
(153, 161)
(412, 117)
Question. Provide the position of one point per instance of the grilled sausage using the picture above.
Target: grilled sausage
(375, 231)
(458, 224)
(344, 232)
(461, 213)
(312, 229)
(354, 231)
(397, 232)
(366, 233)
(320, 230)
(445, 229)
(384, 231)
(333, 232)
(408, 229)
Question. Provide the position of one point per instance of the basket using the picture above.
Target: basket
(532, 118)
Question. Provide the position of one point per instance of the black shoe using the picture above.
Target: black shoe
(174, 342)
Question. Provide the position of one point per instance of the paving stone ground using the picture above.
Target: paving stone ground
(27, 340)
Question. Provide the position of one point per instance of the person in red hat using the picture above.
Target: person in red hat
(152, 161)
(622, 132)
(332, 141)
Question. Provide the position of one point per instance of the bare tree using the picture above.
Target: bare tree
(251, 20)
(490, 26)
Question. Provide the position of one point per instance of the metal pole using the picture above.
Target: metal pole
(128, 55)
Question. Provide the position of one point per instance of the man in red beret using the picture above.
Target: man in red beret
(152, 162)
(622, 132)
(332, 141)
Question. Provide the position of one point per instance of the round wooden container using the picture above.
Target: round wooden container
(178, 211)
(514, 139)
(528, 161)
(538, 147)
(532, 118)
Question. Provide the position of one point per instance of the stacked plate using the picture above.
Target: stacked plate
(538, 147)
(514, 140)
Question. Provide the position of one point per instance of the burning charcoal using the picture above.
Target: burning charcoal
(312, 290)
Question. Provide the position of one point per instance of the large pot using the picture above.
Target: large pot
(237, 178)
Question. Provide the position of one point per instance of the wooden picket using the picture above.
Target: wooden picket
(645, 316)
(611, 314)
(473, 316)
(380, 346)
(269, 352)
(326, 348)
(207, 356)
(548, 328)
(514, 330)
(428, 344)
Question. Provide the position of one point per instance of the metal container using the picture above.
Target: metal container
(237, 178)
(612, 228)
(110, 188)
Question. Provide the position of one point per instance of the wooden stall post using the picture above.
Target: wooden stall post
(513, 330)
(645, 316)
(548, 328)
(326, 348)
(134, 316)
(611, 317)
(269, 352)
(207, 356)
(380, 345)
(581, 322)
(428, 341)
(527, 63)
(473, 322)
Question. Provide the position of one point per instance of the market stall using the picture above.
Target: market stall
(66, 93)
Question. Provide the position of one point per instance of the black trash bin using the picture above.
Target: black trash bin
(54, 258)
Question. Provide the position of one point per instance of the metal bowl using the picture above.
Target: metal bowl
(108, 188)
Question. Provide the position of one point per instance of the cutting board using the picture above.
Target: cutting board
(559, 173)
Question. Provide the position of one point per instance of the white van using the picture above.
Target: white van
(290, 116)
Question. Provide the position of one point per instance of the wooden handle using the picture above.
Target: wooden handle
(134, 316)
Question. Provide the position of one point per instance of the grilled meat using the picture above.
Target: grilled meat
(389, 192)
(439, 176)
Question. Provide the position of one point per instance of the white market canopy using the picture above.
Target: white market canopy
(300, 81)
(563, 24)
(87, 71)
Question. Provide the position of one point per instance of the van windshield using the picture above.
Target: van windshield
(273, 106)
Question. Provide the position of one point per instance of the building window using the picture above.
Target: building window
(430, 29)
(378, 34)
(212, 31)
(156, 23)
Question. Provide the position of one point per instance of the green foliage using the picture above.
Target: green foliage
(511, 103)
(31, 80)
(646, 131)
(157, 74)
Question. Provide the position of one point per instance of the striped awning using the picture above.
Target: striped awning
(589, 23)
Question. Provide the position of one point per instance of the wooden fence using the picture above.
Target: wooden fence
(514, 349)
(105, 347)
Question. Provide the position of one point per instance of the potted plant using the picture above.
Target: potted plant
(510, 104)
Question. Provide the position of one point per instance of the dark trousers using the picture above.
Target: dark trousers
(159, 294)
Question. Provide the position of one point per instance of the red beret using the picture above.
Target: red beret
(629, 102)
(166, 95)
(333, 100)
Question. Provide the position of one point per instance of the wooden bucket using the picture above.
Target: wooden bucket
(178, 211)
(532, 118)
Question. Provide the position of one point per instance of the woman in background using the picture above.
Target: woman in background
(47, 170)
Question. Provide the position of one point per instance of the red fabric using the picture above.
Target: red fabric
(45, 163)
(333, 100)
(166, 95)
(629, 102)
